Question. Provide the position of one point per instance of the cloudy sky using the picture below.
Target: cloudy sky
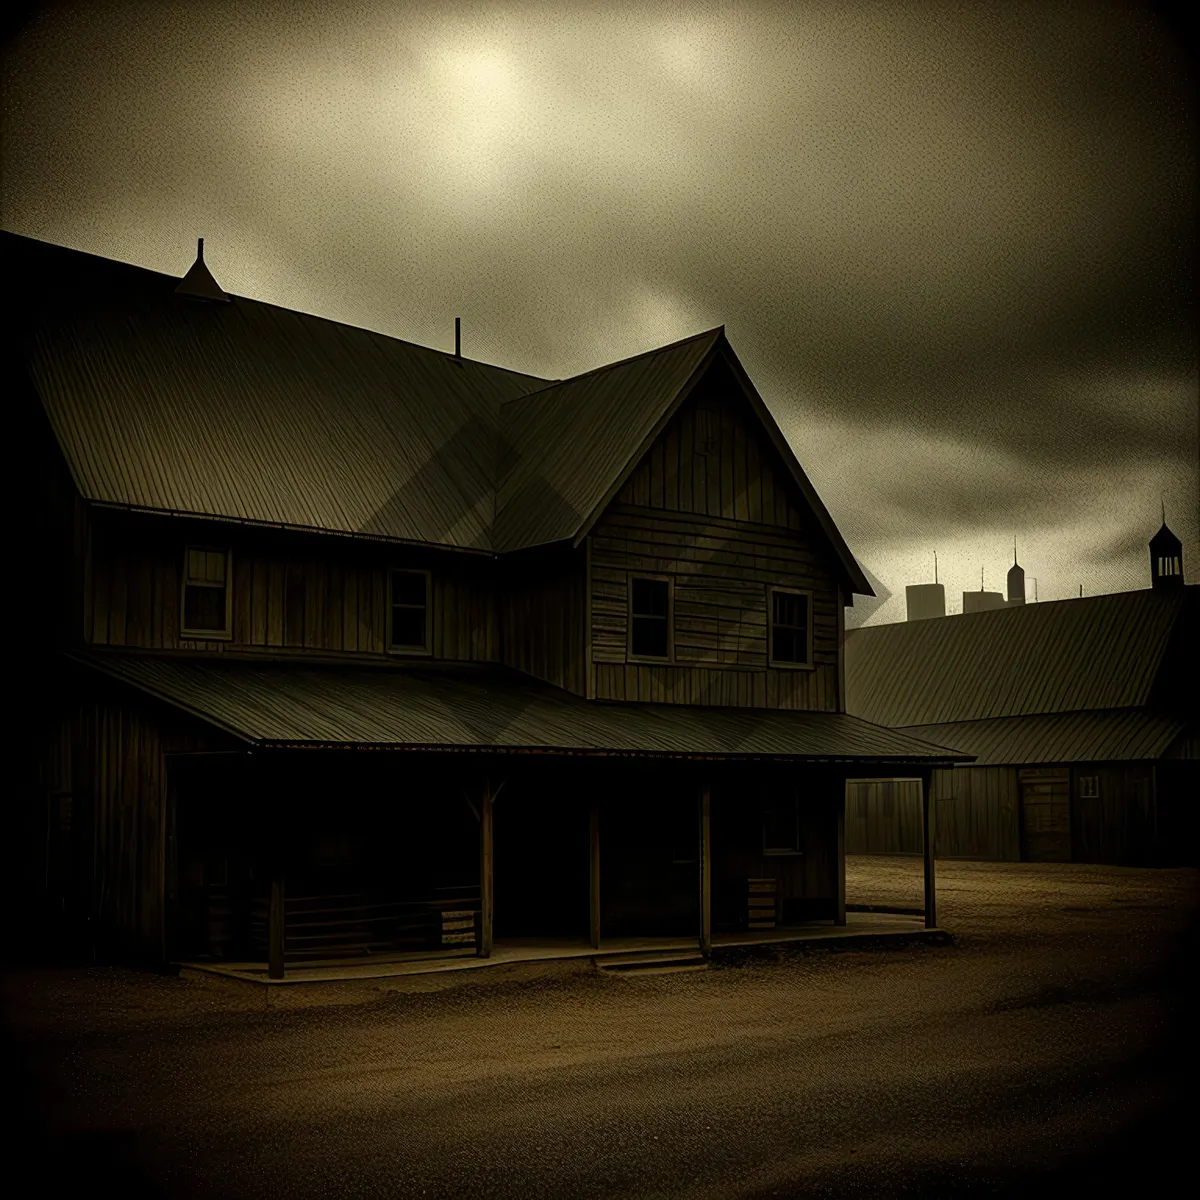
(952, 244)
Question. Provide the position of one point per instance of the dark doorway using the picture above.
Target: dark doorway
(1045, 815)
(541, 862)
(649, 857)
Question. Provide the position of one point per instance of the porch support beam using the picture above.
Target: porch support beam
(275, 924)
(928, 834)
(486, 880)
(839, 855)
(705, 857)
(594, 875)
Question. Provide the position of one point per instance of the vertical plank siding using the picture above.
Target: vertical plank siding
(883, 816)
(977, 813)
(543, 609)
(289, 595)
(103, 768)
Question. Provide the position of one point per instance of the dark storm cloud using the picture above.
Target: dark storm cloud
(953, 245)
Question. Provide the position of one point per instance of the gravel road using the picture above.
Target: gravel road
(1049, 1048)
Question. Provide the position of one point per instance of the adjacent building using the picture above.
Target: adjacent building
(1081, 715)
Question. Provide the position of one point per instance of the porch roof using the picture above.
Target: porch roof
(486, 708)
(1112, 735)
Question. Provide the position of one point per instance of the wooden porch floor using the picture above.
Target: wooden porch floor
(509, 951)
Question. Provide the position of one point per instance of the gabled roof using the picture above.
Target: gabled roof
(1102, 652)
(253, 412)
(569, 447)
(165, 401)
(276, 704)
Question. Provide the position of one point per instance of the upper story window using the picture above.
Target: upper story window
(206, 592)
(650, 617)
(781, 826)
(1089, 787)
(411, 611)
(791, 627)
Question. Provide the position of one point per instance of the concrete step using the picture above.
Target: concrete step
(652, 962)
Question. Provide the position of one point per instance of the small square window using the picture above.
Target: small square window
(1089, 787)
(791, 628)
(410, 612)
(781, 826)
(206, 593)
(650, 617)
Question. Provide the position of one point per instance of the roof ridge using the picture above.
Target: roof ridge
(620, 362)
(166, 276)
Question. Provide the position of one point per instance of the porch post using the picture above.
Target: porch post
(927, 845)
(839, 851)
(268, 787)
(705, 871)
(275, 932)
(486, 893)
(594, 875)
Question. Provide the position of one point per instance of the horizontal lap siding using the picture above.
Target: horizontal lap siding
(287, 598)
(722, 570)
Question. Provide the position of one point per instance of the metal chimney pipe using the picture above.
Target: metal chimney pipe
(200, 249)
(458, 337)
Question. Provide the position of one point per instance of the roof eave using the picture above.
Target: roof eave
(853, 574)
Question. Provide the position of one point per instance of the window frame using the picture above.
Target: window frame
(425, 651)
(784, 664)
(780, 851)
(224, 634)
(1088, 787)
(630, 656)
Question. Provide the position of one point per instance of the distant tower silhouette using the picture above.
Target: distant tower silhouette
(926, 600)
(1016, 580)
(1166, 558)
(981, 601)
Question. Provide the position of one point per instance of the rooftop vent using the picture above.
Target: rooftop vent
(198, 283)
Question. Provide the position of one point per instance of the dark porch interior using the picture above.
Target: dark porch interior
(381, 853)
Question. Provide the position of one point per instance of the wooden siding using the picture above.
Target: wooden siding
(883, 816)
(104, 781)
(1119, 823)
(976, 813)
(543, 615)
(722, 570)
(291, 595)
(724, 525)
(805, 883)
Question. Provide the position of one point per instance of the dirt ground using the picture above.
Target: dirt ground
(1048, 1048)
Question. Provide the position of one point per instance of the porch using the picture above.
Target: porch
(860, 930)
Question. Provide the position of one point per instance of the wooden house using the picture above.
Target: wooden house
(1081, 715)
(343, 645)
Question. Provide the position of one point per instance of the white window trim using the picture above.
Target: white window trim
(207, 635)
(809, 665)
(425, 651)
(645, 658)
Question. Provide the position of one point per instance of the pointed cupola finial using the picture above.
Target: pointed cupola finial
(198, 283)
